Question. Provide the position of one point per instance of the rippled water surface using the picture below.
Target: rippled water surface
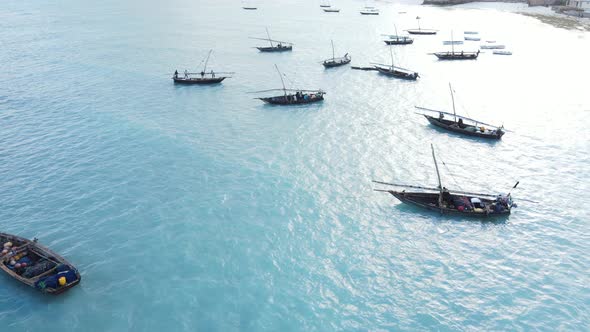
(193, 208)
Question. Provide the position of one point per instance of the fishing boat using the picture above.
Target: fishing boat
(203, 77)
(502, 52)
(421, 31)
(461, 124)
(368, 10)
(332, 10)
(492, 47)
(472, 38)
(292, 96)
(448, 201)
(393, 71)
(280, 46)
(452, 55)
(36, 266)
(397, 39)
(470, 32)
(335, 62)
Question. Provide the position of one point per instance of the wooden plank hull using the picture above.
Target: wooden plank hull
(429, 201)
(457, 55)
(275, 49)
(198, 80)
(336, 63)
(292, 100)
(466, 130)
(34, 249)
(421, 32)
(401, 41)
(398, 74)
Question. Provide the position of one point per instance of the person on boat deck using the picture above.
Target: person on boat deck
(280, 45)
(441, 116)
(446, 195)
(202, 74)
(185, 73)
(212, 73)
(461, 125)
(176, 74)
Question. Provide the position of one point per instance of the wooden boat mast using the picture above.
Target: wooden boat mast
(270, 40)
(391, 54)
(396, 35)
(453, 100)
(333, 55)
(440, 187)
(207, 60)
(283, 82)
(418, 19)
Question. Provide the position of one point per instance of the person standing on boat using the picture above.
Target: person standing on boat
(175, 73)
(212, 73)
(202, 74)
(185, 73)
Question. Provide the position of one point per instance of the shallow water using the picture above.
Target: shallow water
(199, 208)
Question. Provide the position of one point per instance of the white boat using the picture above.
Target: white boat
(470, 32)
(502, 52)
(472, 38)
(370, 11)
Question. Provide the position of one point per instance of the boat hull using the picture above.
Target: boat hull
(38, 250)
(331, 64)
(421, 32)
(275, 49)
(197, 80)
(332, 10)
(292, 100)
(429, 201)
(457, 55)
(399, 42)
(468, 130)
(398, 74)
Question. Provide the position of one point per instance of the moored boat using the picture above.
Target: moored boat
(461, 124)
(331, 10)
(455, 55)
(335, 62)
(393, 71)
(36, 266)
(368, 10)
(203, 77)
(448, 201)
(280, 46)
(397, 39)
(292, 96)
(421, 31)
(502, 52)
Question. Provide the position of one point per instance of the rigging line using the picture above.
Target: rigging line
(451, 174)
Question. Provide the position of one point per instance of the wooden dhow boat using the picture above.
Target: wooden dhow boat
(421, 31)
(455, 55)
(369, 10)
(397, 39)
(448, 201)
(292, 96)
(279, 46)
(335, 62)
(332, 10)
(397, 72)
(203, 77)
(461, 124)
(36, 266)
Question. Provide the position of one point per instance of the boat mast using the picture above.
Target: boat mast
(333, 56)
(453, 100)
(452, 44)
(283, 82)
(418, 19)
(391, 54)
(396, 35)
(270, 40)
(207, 60)
(440, 187)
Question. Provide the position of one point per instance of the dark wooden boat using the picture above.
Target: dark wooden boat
(36, 266)
(397, 72)
(335, 62)
(203, 77)
(332, 10)
(292, 96)
(455, 55)
(462, 125)
(280, 46)
(457, 202)
(369, 10)
(421, 31)
(399, 40)
(250, 8)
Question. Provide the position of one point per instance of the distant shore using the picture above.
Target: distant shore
(460, 2)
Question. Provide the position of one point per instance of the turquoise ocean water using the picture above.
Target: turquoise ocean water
(192, 208)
